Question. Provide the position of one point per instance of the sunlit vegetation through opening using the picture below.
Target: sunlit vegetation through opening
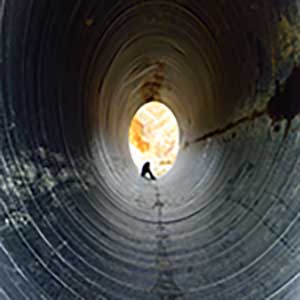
(154, 138)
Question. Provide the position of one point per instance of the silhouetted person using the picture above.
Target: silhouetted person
(146, 170)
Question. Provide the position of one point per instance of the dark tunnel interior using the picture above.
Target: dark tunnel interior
(78, 222)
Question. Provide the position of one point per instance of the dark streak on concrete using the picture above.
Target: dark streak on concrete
(286, 102)
(165, 286)
(150, 90)
(284, 105)
(255, 115)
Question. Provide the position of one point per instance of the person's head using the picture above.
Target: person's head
(147, 164)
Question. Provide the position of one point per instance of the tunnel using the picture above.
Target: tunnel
(77, 221)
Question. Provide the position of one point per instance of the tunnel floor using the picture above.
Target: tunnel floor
(77, 221)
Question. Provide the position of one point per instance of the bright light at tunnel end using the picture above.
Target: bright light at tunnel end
(154, 137)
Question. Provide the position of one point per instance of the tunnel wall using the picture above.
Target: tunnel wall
(76, 219)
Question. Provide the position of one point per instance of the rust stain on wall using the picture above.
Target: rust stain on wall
(150, 90)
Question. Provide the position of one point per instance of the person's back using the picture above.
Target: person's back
(146, 170)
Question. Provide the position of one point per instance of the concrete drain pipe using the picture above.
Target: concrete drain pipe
(78, 222)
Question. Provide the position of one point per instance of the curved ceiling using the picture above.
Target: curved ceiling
(78, 222)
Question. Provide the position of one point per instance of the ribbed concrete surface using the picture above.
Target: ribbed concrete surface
(78, 222)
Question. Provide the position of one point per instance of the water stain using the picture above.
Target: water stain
(285, 104)
(277, 128)
(150, 90)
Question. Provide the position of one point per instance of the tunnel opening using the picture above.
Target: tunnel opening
(76, 222)
(154, 138)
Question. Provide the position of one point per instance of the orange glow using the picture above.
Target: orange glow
(136, 136)
(154, 137)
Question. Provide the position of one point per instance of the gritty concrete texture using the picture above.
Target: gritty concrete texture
(76, 219)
